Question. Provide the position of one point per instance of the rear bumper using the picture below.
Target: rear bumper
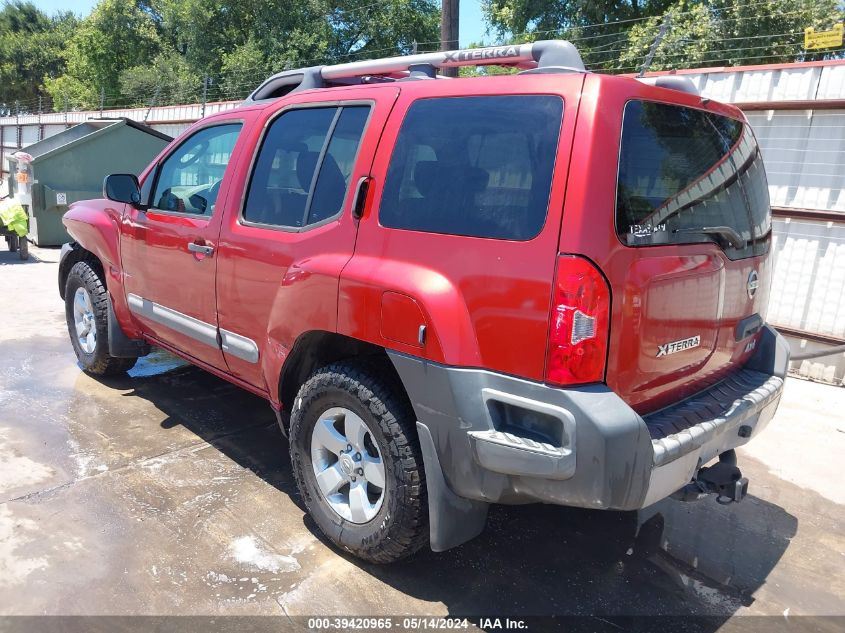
(500, 439)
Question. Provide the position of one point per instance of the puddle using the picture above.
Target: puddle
(155, 363)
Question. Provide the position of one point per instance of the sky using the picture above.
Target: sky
(471, 21)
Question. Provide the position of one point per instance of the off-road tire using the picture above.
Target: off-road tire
(99, 362)
(400, 528)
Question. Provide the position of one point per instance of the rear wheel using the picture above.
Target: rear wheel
(357, 462)
(12, 241)
(23, 248)
(86, 311)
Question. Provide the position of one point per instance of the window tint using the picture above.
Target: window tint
(283, 190)
(189, 179)
(333, 179)
(475, 166)
(682, 171)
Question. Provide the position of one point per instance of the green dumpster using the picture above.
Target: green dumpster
(71, 166)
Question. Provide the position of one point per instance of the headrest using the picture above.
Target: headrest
(330, 175)
(328, 198)
(426, 177)
(432, 176)
(306, 162)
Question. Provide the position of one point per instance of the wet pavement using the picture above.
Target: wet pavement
(169, 492)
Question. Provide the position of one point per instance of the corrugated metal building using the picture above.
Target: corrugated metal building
(798, 114)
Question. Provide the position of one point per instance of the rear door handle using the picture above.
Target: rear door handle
(360, 198)
(202, 249)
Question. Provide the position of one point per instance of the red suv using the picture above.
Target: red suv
(541, 287)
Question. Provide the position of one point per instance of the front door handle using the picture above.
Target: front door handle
(202, 249)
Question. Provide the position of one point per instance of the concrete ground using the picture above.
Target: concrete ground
(170, 492)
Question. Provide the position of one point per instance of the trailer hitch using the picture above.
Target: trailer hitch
(723, 479)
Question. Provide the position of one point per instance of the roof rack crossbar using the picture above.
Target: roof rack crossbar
(541, 56)
(545, 53)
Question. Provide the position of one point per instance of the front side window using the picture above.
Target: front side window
(688, 176)
(189, 179)
(474, 166)
(302, 171)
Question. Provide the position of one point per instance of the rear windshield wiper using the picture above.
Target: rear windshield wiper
(726, 233)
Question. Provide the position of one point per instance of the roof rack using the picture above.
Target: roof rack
(544, 56)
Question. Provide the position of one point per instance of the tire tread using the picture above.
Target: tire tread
(379, 391)
(102, 363)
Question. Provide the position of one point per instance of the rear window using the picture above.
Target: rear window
(474, 166)
(688, 176)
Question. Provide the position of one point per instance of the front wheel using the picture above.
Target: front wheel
(357, 462)
(86, 311)
(23, 248)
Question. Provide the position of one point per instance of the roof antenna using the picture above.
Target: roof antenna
(664, 28)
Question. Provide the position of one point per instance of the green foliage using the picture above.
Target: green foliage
(167, 79)
(117, 36)
(30, 48)
(715, 32)
(513, 17)
(137, 52)
(730, 33)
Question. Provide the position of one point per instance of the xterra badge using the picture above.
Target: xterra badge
(678, 346)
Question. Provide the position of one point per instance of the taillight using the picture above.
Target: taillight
(579, 323)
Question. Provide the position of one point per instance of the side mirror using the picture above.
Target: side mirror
(122, 188)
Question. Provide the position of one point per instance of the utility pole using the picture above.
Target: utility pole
(449, 12)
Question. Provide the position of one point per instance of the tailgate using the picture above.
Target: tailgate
(692, 206)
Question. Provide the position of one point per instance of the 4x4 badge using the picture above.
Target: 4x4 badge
(678, 346)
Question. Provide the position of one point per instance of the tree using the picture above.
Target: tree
(240, 42)
(133, 50)
(166, 79)
(118, 35)
(360, 27)
(730, 32)
(514, 17)
(30, 48)
(618, 36)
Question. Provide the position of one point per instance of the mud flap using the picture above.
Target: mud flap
(453, 520)
(120, 345)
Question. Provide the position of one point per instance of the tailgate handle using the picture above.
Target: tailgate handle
(748, 326)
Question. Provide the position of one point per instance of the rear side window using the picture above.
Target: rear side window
(688, 176)
(474, 166)
(302, 172)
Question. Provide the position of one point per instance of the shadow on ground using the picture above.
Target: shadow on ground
(671, 558)
(8, 258)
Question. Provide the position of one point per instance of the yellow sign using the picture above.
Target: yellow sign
(823, 39)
